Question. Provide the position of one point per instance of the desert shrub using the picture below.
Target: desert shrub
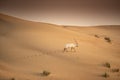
(107, 64)
(45, 73)
(107, 39)
(12, 78)
(105, 75)
(96, 36)
(115, 70)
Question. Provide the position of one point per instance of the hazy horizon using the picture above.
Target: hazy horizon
(65, 12)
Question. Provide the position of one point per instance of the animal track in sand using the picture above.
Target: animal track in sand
(40, 54)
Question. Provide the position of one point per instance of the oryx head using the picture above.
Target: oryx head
(76, 42)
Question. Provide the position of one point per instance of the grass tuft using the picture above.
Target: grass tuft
(107, 39)
(96, 36)
(107, 64)
(45, 73)
(12, 78)
(115, 70)
(105, 75)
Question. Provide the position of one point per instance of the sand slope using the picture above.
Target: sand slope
(27, 48)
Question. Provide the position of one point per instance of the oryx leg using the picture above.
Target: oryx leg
(73, 49)
(65, 49)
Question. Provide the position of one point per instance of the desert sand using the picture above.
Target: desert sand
(28, 48)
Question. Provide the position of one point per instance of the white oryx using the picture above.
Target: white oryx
(71, 46)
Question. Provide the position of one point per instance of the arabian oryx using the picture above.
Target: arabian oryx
(71, 46)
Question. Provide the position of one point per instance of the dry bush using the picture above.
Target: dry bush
(115, 70)
(96, 36)
(107, 64)
(45, 73)
(107, 39)
(105, 75)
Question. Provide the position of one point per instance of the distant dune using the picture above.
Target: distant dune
(28, 48)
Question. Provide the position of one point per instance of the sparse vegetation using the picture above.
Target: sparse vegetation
(107, 39)
(107, 64)
(96, 36)
(105, 75)
(45, 73)
(12, 78)
(115, 70)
